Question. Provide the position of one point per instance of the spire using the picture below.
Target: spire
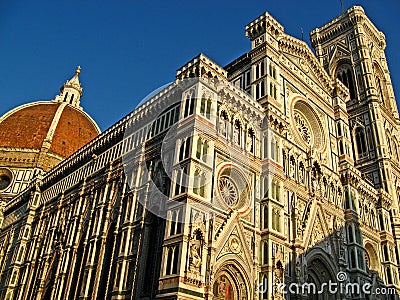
(71, 91)
(74, 82)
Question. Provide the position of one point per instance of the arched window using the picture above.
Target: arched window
(360, 82)
(189, 105)
(199, 183)
(203, 105)
(202, 149)
(196, 185)
(265, 217)
(339, 129)
(21, 253)
(184, 150)
(173, 222)
(276, 219)
(380, 84)
(14, 277)
(187, 148)
(199, 148)
(353, 258)
(202, 184)
(389, 275)
(350, 233)
(395, 149)
(265, 253)
(208, 110)
(345, 74)
(26, 232)
(273, 149)
(266, 186)
(172, 260)
(341, 149)
(389, 145)
(360, 141)
(273, 189)
(265, 287)
(369, 139)
(205, 151)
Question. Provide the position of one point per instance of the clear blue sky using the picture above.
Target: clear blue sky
(129, 48)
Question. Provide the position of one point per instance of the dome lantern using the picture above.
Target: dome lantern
(71, 91)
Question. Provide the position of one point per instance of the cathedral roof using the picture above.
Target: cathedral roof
(59, 126)
(63, 126)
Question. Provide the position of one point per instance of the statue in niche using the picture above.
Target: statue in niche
(301, 175)
(249, 145)
(198, 217)
(314, 184)
(299, 226)
(298, 270)
(195, 259)
(323, 189)
(236, 135)
(222, 126)
(340, 243)
(292, 168)
(195, 252)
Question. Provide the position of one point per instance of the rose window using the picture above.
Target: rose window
(228, 191)
(302, 127)
(307, 126)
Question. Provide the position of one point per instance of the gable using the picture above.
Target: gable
(299, 54)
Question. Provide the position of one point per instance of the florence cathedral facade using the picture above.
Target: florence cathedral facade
(281, 167)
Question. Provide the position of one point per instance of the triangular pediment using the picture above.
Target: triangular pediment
(317, 229)
(338, 52)
(304, 59)
(233, 241)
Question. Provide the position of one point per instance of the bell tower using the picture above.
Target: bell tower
(352, 49)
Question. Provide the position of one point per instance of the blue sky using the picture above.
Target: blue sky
(129, 48)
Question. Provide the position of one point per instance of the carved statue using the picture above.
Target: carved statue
(222, 127)
(195, 258)
(236, 135)
(292, 169)
(301, 176)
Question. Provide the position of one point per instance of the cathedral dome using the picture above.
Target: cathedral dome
(64, 127)
(40, 134)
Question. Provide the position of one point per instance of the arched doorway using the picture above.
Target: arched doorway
(318, 273)
(229, 284)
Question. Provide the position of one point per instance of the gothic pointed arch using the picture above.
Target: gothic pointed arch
(231, 282)
(345, 73)
(361, 142)
(371, 257)
(380, 85)
(320, 270)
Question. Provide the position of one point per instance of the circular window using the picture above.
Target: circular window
(307, 126)
(228, 191)
(233, 189)
(5, 178)
(303, 128)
